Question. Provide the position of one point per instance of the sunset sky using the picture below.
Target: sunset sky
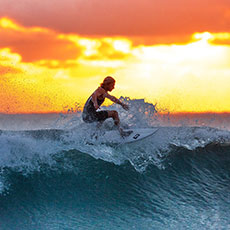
(54, 53)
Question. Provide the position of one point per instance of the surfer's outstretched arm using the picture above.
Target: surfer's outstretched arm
(117, 101)
(115, 116)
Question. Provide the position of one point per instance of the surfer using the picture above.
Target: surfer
(90, 113)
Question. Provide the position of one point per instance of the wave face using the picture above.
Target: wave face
(178, 178)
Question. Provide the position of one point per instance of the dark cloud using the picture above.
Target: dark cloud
(125, 18)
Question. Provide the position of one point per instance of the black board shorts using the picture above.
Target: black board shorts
(95, 116)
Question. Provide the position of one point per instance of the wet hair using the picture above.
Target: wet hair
(107, 81)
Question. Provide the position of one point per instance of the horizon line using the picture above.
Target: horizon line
(159, 113)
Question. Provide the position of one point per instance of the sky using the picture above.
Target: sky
(54, 54)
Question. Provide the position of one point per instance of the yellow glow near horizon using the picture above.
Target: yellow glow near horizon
(192, 77)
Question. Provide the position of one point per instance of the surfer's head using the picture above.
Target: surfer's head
(108, 83)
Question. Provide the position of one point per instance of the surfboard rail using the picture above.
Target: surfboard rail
(114, 137)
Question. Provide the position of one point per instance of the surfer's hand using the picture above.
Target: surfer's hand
(126, 107)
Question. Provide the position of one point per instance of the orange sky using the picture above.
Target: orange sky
(53, 54)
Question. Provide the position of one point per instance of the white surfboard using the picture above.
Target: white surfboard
(114, 137)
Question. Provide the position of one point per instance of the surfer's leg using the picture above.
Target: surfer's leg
(114, 114)
(116, 119)
(101, 116)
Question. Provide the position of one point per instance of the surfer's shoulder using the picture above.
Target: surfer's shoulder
(100, 90)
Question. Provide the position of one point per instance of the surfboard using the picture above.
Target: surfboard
(114, 137)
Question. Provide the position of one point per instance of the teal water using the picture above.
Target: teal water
(168, 181)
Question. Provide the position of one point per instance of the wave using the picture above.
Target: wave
(28, 152)
(79, 190)
(68, 141)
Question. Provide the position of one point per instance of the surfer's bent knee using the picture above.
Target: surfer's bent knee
(114, 115)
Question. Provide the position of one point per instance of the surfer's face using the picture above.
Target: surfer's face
(110, 86)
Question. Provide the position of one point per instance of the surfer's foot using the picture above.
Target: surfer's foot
(125, 133)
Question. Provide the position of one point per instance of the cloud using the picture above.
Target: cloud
(5, 70)
(144, 18)
(221, 38)
(213, 38)
(42, 69)
(34, 44)
(8, 63)
(108, 49)
(48, 48)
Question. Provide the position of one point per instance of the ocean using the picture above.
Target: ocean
(53, 178)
